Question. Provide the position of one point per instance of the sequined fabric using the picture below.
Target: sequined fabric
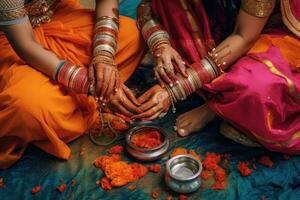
(38, 11)
(258, 8)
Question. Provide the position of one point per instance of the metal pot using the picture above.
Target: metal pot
(182, 173)
(147, 154)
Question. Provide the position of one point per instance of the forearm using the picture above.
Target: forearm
(38, 57)
(45, 61)
(153, 33)
(107, 8)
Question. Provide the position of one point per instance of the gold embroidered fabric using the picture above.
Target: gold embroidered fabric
(258, 8)
(12, 10)
(38, 11)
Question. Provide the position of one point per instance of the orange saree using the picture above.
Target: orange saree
(33, 109)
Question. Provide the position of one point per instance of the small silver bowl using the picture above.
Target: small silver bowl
(182, 173)
(146, 154)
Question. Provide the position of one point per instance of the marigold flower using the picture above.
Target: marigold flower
(155, 168)
(116, 149)
(62, 187)
(244, 169)
(36, 189)
(266, 161)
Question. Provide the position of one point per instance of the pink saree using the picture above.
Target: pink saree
(260, 93)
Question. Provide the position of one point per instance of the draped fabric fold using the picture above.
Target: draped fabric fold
(34, 109)
(260, 93)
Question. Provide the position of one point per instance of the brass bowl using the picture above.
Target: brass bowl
(146, 154)
(182, 173)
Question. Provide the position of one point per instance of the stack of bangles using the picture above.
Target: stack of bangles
(200, 73)
(155, 35)
(72, 76)
(105, 40)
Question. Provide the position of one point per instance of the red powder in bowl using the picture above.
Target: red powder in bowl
(147, 139)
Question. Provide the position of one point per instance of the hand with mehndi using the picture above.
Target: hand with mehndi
(155, 103)
(106, 80)
(168, 62)
(124, 102)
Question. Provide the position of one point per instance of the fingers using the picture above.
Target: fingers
(161, 83)
(149, 104)
(145, 97)
(91, 79)
(129, 105)
(181, 66)
(148, 114)
(106, 77)
(111, 87)
(169, 69)
(99, 85)
(130, 95)
(163, 75)
(120, 108)
(159, 64)
(117, 85)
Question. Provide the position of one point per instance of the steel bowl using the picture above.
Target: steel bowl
(146, 154)
(182, 173)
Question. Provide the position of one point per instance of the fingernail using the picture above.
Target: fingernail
(175, 128)
(101, 98)
(224, 63)
(216, 55)
(177, 82)
(183, 62)
(181, 131)
(213, 49)
(171, 84)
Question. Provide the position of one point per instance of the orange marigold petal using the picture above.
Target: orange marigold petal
(62, 187)
(266, 161)
(155, 168)
(116, 149)
(178, 151)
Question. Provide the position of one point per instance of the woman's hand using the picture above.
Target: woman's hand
(105, 77)
(155, 103)
(124, 102)
(168, 61)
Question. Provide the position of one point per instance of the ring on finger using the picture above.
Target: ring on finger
(162, 115)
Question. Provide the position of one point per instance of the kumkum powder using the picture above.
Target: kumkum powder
(36, 189)
(155, 168)
(62, 187)
(266, 161)
(147, 139)
(244, 169)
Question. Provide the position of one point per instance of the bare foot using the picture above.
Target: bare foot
(194, 120)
